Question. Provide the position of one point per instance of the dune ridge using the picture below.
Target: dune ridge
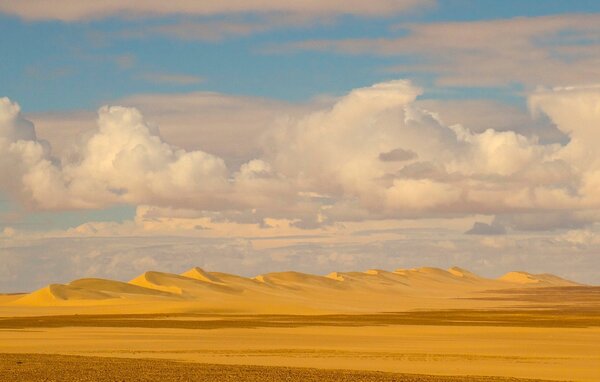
(373, 290)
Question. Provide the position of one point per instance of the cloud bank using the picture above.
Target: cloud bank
(374, 154)
(23, 267)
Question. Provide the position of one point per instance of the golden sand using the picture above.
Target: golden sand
(284, 292)
(439, 323)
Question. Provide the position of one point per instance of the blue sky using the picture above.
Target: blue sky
(276, 120)
(55, 65)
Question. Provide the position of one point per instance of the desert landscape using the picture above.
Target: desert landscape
(309, 190)
(423, 324)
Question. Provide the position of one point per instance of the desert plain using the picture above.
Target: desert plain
(423, 324)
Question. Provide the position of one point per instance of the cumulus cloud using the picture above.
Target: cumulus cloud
(125, 160)
(25, 159)
(338, 152)
(12, 126)
(576, 112)
(228, 126)
(374, 154)
(479, 115)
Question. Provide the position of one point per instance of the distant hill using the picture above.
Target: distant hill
(197, 290)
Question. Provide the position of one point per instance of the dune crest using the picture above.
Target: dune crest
(373, 290)
(543, 279)
(200, 274)
(55, 294)
(456, 271)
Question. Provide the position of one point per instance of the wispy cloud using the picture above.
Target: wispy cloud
(170, 78)
(204, 30)
(67, 10)
(125, 61)
(217, 28)
(548, 50)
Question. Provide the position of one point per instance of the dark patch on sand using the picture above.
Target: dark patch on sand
(554, 318)
(55, 368)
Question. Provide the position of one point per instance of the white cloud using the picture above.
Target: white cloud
(576, 112)
(123, 161)
(228, 126)
(25, 160)
(337, 152)
(127, 161)
(224, 125)
(12, 127)
(315, 168)
(479, 115)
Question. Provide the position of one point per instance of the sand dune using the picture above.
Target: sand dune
(90, 291)
(55, 294)
(544, 279)
(284, 292)
(298, 281)
(179, 284)
(119, 288)
(201, 275)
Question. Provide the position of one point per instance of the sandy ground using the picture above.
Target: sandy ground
(35, 367)
(442, 323)
(552, 345)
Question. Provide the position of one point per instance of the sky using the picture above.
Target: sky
(316, 136)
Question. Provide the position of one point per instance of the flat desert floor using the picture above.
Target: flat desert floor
(551, 344)
(542, 333)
